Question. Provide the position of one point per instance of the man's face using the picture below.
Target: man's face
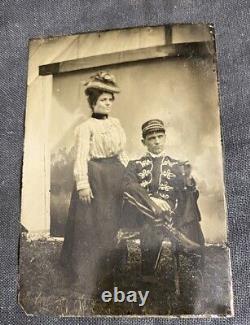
(155, 142)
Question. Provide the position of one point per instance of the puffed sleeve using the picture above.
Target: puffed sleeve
(122, 156)
(82, 135)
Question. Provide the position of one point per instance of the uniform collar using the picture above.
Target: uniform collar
(162, 154)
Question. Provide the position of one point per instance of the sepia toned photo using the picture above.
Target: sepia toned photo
(123, 199)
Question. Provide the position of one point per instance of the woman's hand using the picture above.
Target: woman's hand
(85, 195)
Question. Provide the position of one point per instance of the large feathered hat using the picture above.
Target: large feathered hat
(103, 81)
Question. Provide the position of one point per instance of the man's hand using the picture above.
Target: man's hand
(85, 195)
(163, 205)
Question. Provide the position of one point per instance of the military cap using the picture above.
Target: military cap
(103, 81)
(152, 126)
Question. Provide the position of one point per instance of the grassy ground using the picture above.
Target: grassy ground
(44, 289)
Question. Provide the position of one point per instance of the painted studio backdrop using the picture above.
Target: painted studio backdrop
(182, 92)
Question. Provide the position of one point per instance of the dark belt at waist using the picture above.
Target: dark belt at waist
(106, 159)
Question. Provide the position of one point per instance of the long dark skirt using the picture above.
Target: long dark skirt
(89, 248)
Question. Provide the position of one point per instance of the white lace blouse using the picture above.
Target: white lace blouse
(97, 138)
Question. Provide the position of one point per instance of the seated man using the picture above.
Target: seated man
(160, 196)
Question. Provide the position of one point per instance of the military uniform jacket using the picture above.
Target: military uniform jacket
(161, 177)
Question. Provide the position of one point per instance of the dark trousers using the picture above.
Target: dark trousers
(151, 243)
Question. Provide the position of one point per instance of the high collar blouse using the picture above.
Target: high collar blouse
(97, 138)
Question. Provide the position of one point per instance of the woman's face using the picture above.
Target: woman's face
(104, 103)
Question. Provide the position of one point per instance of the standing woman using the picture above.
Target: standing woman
(88, 251)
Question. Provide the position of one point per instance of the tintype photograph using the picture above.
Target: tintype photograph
(123, 199)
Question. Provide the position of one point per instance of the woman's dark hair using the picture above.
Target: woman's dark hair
(93, 94)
